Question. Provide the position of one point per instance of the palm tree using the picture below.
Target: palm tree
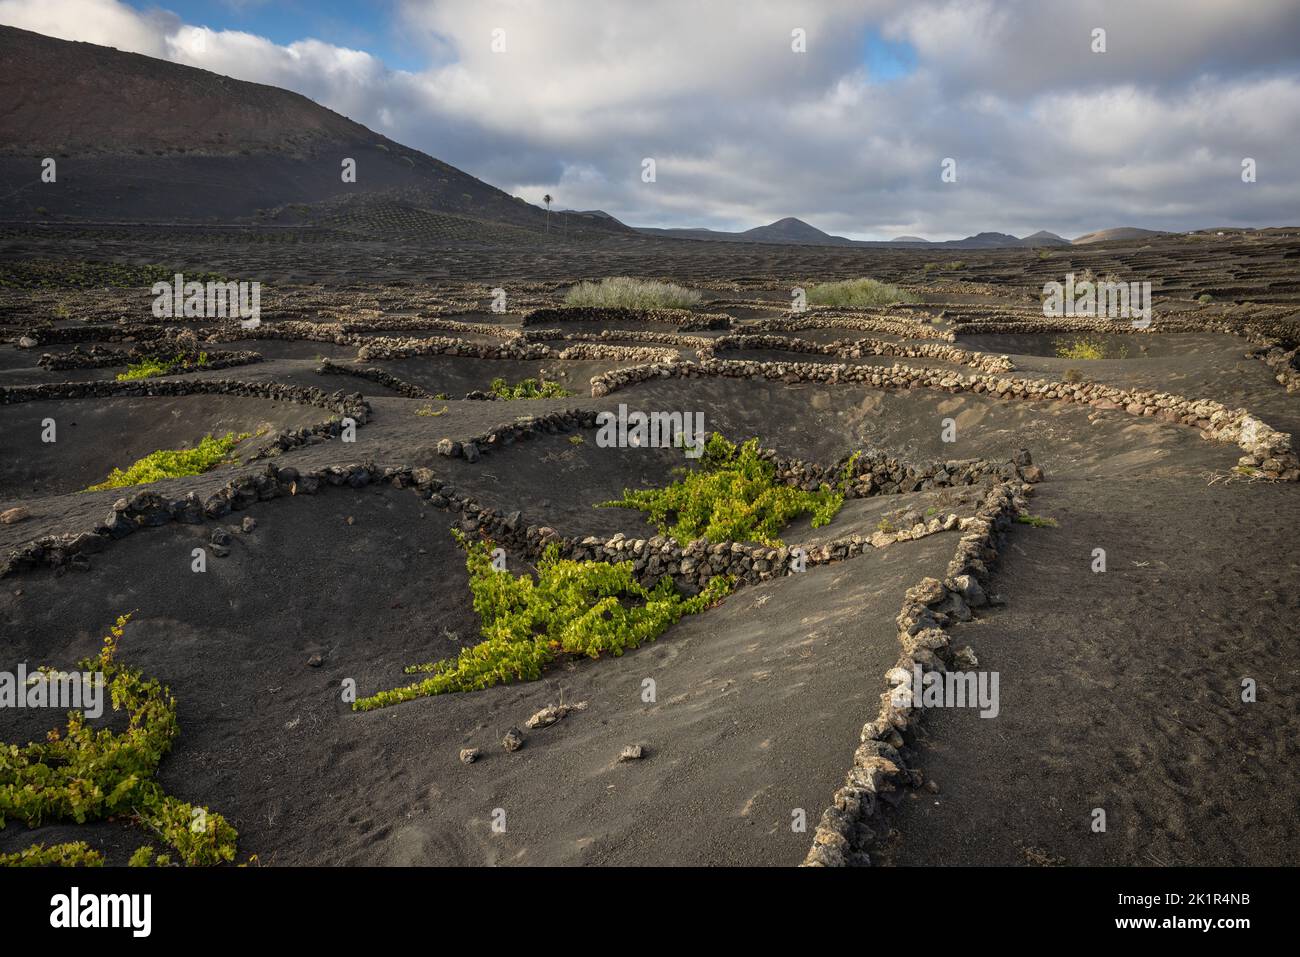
(547, 200)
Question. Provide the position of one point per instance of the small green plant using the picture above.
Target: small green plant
(73, 854)
(174, 463)
(427, 411)
(527, 389)
(573, 608)
(82, 773)
(151, 366)
(1037, 521)
(1044, 254)
(1204, 297)
(886, 526)
(1072, 376)
(858, 293)
(732, 497)
(628, 293)
(576, 440)
(1087, 348)
(145, 857)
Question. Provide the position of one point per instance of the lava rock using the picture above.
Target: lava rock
(633, 752)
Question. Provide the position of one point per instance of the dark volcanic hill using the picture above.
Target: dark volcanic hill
(136, 138)
(1044, 238)
(791, 230)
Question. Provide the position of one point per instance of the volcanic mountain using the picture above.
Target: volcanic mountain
(137, 138)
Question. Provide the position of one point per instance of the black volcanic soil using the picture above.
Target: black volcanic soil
(94, 436)
(1122, 690)
(1119, 690)
(758, 703)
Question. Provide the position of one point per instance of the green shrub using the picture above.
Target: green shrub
(427, 411)
(1087, 347)
(86, 774)
(857, 293)
(152, 366)
(173, 463)
(74, 854)
(527, 389)
(573, 608)
(622, 291)
(732, 497)
(1036, 521)
(144, 857)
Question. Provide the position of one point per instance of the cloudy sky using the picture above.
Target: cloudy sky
(849, 134)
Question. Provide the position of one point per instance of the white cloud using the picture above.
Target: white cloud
(1047, 134)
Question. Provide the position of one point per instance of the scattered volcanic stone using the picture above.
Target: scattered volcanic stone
(249, 523)
(633, 752)
(221, 551)
(14, 515)
(26, 342)
(553, 713)
(514, 740)
(220, 536)
(469, 755)
(315, 661)
(350, 520)
(965, 657)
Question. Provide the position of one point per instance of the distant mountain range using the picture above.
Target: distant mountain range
(791, 230)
